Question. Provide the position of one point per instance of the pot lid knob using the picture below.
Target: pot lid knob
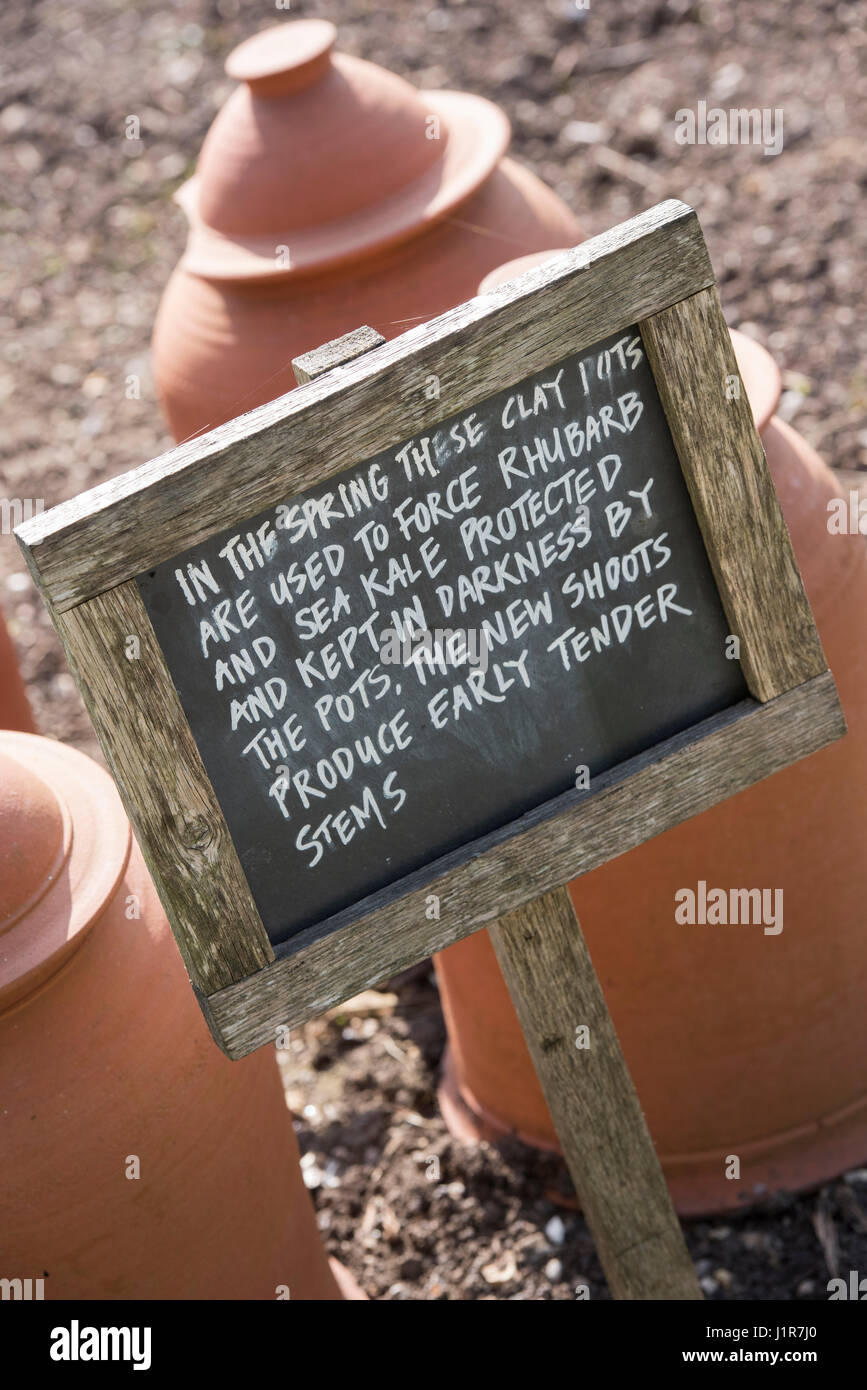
(283, 59)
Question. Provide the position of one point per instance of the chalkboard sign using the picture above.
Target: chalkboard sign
(462, 618)
(447, 626)
(447, 635)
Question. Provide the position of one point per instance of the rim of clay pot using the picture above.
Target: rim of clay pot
(760, 373)
(79, 846)
(478, 137)
(790, 1160)
(761, 376)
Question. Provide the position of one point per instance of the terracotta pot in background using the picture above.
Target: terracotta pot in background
(105, 1059)
(331, 193)
(739, 1043)
(15, 712)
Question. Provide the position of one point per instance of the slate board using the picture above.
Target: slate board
(468, 764)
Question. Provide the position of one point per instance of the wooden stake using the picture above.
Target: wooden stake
(593, 1103)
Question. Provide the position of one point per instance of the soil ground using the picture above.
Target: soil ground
(89, 235)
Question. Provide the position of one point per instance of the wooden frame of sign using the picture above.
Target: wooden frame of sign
(85, 556)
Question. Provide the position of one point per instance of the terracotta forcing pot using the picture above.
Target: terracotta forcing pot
(330, 193)
(740, 1043)
(138, 1161)
(15, 710)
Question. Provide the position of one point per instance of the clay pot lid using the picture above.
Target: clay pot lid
(759, 371)
(320, 157)
(64, 846)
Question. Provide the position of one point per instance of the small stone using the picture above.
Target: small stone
(62, 374)
(726, 80)
(331, 1176)
(29, 301)
(172, 166)
(709, 1285)
(790, 403)
(95, 384)
(805, 1288)
(398, 1291)
(27, 157)
(182, 70)
(500, 1271)
(14, 118)
(553, 1271)
(584, 133)
(555, 1231)
(311, 1172)
(450, 1189)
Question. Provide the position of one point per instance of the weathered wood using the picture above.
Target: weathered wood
(724, 465)
(153, 757)
(131, 523)
(335, 354)
(545, 849)
(596, 1112)
(83, 553)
